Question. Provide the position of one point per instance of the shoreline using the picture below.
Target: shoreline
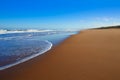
(88, 55)
(26, 58)
(34, 55)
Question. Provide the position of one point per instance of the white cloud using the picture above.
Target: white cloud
(106, 19)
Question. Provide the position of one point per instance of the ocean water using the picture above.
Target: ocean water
(17, 46)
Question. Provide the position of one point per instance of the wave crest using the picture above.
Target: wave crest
(2, 31)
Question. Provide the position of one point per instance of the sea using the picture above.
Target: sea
(18, 46)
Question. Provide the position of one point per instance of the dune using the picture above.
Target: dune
(88, 55)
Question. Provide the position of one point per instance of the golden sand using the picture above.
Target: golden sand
(89, 55)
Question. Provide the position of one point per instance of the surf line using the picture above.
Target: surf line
(29, 57)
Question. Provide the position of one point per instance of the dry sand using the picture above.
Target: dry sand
(89, 55)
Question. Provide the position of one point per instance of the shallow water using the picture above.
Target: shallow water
(16, 48)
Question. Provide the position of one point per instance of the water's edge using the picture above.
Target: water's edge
(27, 58)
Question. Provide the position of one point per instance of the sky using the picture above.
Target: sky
(58, 14)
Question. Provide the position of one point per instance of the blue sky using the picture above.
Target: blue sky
(58, 14)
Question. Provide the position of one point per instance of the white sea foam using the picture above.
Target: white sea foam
(22, 31)
(29, 57)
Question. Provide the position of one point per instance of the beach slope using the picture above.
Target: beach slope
(89, 55)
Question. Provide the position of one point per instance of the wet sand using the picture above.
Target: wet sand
(89, 55)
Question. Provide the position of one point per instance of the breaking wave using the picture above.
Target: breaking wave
(2, 31)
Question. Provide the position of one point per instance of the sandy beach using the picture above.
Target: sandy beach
(89, 55)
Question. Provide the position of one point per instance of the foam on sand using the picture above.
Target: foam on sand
(29, 57)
